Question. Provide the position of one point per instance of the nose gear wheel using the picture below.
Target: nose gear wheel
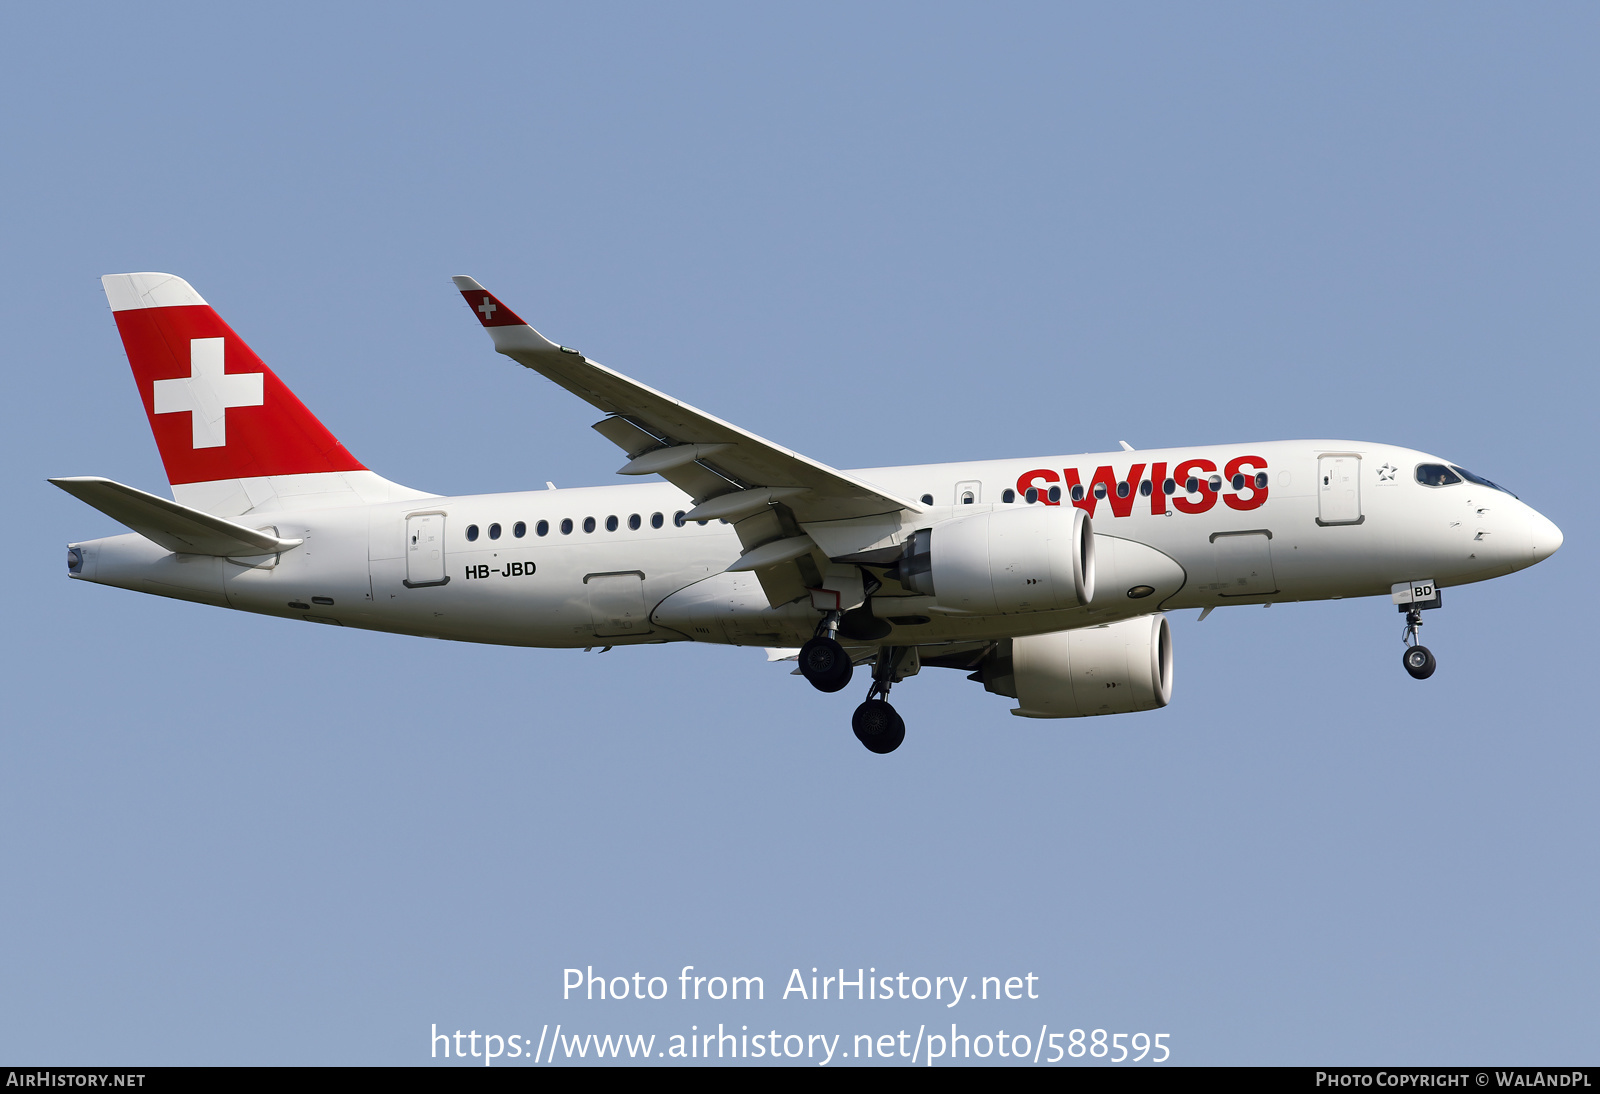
(1418, 659)
(1420, 662)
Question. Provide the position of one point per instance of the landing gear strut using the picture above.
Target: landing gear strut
(875, 722)
(823, 661)
(1418, 659)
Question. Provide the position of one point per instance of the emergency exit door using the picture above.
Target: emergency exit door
(1339, 489)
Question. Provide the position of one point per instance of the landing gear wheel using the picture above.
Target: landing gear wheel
(878, 726)
(824, 663)
(1420, 662)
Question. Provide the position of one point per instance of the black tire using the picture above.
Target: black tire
(1420, 662)
(824, 663)
(878, 726)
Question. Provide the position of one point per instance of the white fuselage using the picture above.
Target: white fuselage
(1299, 538)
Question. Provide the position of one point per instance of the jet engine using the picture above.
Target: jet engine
(1116, 668)
(1039, 558)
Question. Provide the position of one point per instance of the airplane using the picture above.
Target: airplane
(1047, 580)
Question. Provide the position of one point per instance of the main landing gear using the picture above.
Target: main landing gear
(824, 662)
(875, 722)
(1418, 659)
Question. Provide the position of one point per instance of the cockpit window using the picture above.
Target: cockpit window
(1479, 479)
(1436, 474)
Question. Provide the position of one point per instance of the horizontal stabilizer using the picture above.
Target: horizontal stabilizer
(176, 527)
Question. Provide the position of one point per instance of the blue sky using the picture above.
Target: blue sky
(876, 234)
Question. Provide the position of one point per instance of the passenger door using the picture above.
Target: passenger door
(1339, 489)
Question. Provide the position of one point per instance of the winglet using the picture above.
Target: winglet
(491, 313)
(508, 329)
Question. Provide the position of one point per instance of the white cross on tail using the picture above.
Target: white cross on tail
(207, 393)
(487, 308)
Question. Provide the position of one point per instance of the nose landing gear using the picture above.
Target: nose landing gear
(1413, 597)
(1418, 659)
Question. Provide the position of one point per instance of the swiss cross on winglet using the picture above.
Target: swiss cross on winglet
(491, 313)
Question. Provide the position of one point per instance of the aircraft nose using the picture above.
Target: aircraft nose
(1546, 537)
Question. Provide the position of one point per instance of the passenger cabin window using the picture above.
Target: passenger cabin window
(611, 524)
(588, 525)
(1077, 493)
(656, 520)
(472, 533)
(967, 498)
(519, 529)
(1146, 488)
(634, 522)
(542, 528)
(566, 526)
(927, 499)
(677, 518)
(1055, 494)
(1031, 494)
(1008, 496)
(494, 531)
(1436, 474)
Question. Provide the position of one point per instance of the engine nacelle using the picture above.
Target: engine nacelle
(1037, 558)
(1117, 668)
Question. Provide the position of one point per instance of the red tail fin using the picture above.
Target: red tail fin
(217, 411)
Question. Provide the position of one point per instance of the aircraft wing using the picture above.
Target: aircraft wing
(765, 491)
(726, 470)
